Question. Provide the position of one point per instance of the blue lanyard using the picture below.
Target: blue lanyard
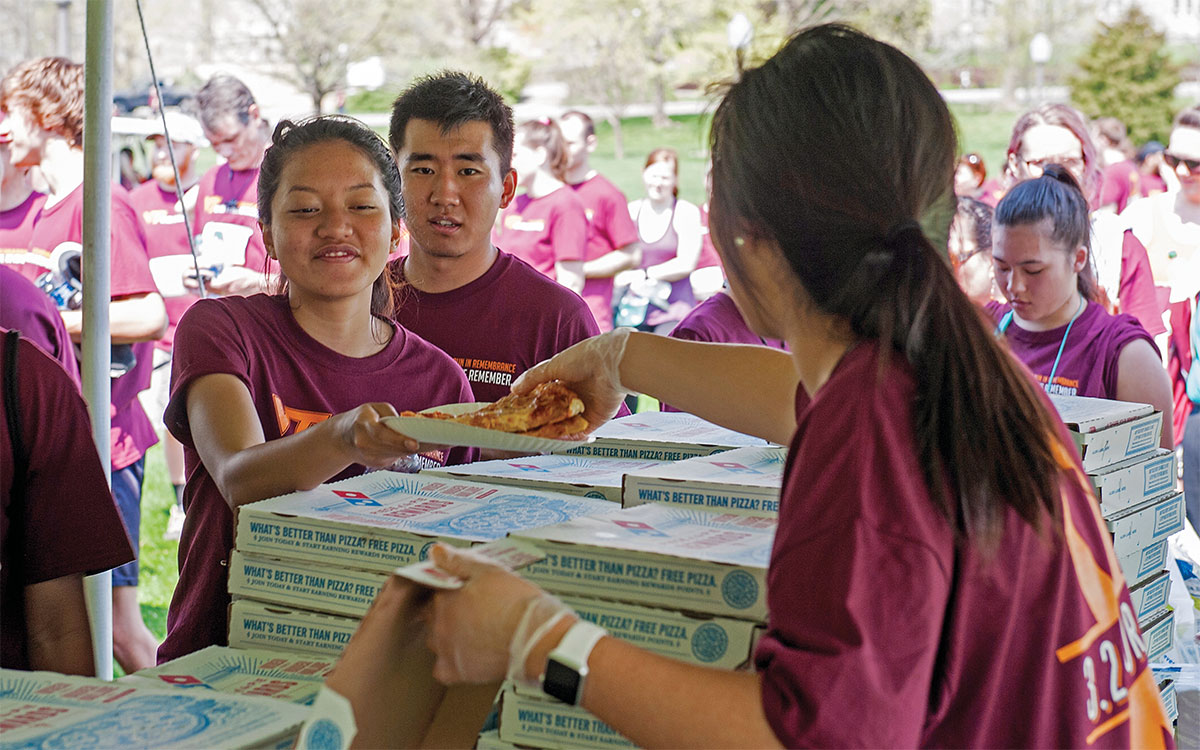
(1007, 320)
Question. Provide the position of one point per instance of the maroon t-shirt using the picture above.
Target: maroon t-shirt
(132, 432)
(16, 226)
(1088, 366)
(25, 308)
(885, 632)
(1136, 292)
(609, 228)
(544, 231)
(718, 319)
(708, 251)
(65, 522)
(168, 248)
(295, 382)
(1119, 182)
(231, 196)
(499, 325)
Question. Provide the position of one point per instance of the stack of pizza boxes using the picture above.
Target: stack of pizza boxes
(679, 571)
(47, 709)
(306, 566)
(1135, 483)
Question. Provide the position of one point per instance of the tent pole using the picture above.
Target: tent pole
(97, 189)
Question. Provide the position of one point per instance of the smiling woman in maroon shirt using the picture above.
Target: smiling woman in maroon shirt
(276, 393)
(940, 575)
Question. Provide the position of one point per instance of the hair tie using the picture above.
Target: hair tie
(895, 236)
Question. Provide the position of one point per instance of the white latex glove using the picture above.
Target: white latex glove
(485, 630)
(592, 368)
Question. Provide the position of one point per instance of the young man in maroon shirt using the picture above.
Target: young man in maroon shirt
(494, 314)
(43, 101)
(612, 244)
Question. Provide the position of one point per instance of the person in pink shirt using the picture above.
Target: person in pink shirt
(1058, 134)
(274, 393)
(940, 574)
(545, 225)
(43, 99)
(1052, 321)
(226, 205)
(160, 205)
(19, 204)
(612, 237)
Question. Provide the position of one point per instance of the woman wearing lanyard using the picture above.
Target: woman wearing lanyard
(1052, 322)
(940, 574)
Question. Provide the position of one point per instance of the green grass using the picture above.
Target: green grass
(159, 568)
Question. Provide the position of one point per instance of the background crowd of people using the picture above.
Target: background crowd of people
(319, 278)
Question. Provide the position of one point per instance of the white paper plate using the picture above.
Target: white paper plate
(444, 432)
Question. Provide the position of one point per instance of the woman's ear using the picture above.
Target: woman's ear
(268, 240)
(1080, 259)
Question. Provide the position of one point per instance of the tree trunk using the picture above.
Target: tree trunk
(618, 135)
(660, 118)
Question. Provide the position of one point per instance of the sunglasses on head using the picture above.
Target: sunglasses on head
(1173, 161)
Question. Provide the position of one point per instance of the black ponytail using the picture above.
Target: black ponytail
(832, 150)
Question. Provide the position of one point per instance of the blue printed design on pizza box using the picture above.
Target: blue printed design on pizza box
(1142, 438)
(709, 642)
(324, 734)
(739, 589)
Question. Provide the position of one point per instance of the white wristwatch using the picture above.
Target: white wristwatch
(566, 667)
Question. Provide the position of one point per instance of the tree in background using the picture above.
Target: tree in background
(1127, 74)
(313, 41)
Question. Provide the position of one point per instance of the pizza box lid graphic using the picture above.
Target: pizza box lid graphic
(662, 436)
(743, 480)
(274, 674)
(662, 555)
(543, 722)
(49, 710)
(1151, 595)
(446, 432)
(590, 476)
(384, 519)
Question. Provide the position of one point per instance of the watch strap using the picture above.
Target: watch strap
(566, 667)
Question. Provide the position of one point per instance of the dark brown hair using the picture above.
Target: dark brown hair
(546, 134)
(290, 138)
(51, 89)
(452, 99)
(833, 150)
(1055, 196)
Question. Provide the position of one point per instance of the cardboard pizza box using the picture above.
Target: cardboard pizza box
(588, 476)
(1109, 432)
(382, 520)
(274, 674)
(259, 625)
(1143, 525)
(699, 561)
(1140, 564)
(1166, 690)
(1150, 595)
(1159, 633)
(743, 480)
(50, 710)
(293, 582)
(490, 740)
(662, 436)
(1129, 483)
(711, 641)
(547, 723)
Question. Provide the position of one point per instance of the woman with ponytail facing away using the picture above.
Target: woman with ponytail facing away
(1053, 321)
(940, 574)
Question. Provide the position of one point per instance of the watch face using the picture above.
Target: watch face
(561, 682)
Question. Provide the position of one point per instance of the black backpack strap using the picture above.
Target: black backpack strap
(12, 414)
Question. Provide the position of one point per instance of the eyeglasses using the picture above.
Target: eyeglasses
(1070, 163)
(1173, 161)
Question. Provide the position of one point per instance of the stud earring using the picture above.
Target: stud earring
(739, 241)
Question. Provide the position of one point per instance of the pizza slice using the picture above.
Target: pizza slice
(551, 407)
